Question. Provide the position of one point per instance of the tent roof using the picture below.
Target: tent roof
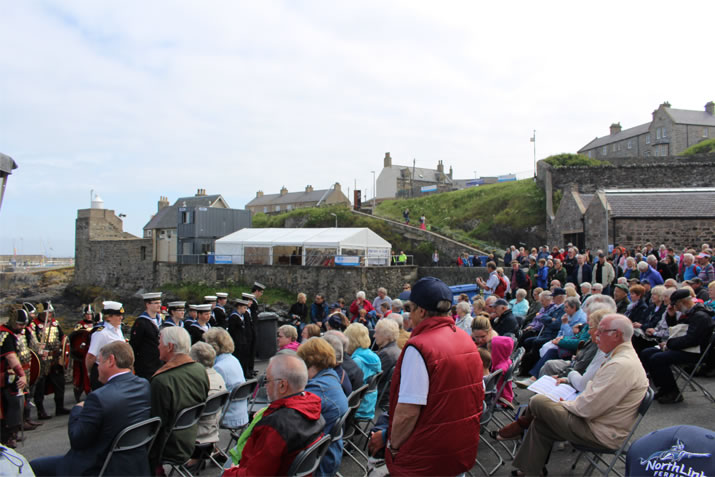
(318, 237)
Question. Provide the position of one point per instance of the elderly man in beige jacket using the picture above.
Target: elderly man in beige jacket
(602, 415)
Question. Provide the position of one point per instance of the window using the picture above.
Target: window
(278, 208)
(664, 133)
(657, 133)
(142, 252)
(647, 139)
(289, 207)
(647, 154)
(589, 154)
(655, 152)
(265, 210)
(604, 151)
(705, 132)
(186, 217)
(630, 144)
(619, 146)
(613, 148)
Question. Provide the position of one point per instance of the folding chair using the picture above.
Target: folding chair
(349, 446)
(383, 386)
(508, 378)
(259, 396)
(216, 403)
(185, 419)
(372, 384)
(490, 400)
(593, 455)
(239, 393)
(690, 378)
(133, 437)
(308, 460)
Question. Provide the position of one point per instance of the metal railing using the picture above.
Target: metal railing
(311, 260)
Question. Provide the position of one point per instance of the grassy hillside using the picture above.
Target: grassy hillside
(703, 147)
(501, 214)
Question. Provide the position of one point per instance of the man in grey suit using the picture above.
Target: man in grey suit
(93, 424)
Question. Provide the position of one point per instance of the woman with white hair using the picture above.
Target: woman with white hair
(207, 433)
(464, 319)
(360, 303)
(231, 371)
(359, 350)
(519, 305)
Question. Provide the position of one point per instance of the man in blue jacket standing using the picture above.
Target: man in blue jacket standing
(93, 424)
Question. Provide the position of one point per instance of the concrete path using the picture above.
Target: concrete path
(51, 438)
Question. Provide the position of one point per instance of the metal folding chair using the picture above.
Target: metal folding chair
(133, 437)
(186, 418)
(690, 377)
(372, 385)
(510, 413)
(490, 401)
(349, 447)
(594, 455)
(216, 403)
(308, 460)
(239, 393)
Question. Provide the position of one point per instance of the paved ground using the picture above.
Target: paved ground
(51, 438)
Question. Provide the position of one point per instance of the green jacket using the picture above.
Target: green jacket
(179, 384)
(571, 343)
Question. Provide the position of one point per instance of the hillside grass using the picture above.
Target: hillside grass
(567, 160)
(703, 147)
(476, 216)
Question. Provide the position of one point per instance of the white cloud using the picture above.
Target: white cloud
(161, 98)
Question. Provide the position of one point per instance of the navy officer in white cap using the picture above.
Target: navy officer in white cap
(218, 314)
(113, 312)
(177, 309)
(241, 331)
(201, 325)
(211, 300)
(145, 337)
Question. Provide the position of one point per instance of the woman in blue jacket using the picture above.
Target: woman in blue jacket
(367, 361)
(323, 381)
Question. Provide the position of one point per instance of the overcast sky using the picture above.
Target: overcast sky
(138, 100)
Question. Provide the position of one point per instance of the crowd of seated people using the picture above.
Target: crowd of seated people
(580, 317)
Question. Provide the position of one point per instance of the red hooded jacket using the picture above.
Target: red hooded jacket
(288, 426)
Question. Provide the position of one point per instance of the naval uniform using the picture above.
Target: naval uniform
(196, 331)
(102, 336)
(218, 317)
(145, 343)
(253, 318)
(169, 322)
(239, 327)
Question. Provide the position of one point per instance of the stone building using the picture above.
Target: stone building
(669, 133)
(410, 181)
(632, 217)
(190, 226)
(285, 201)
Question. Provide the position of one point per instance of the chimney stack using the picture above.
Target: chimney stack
(309, 188)
(710, 108)
(337, 186)
(440, 167)
(200, 192)
(259, 193)
(163, 202)
(284, 191)
(388, 160)
(615, 128)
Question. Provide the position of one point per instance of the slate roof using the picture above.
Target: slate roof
(424, 174)
(679, 116)
(167, 218)
(289, 198)
(687, 116)
(662, 203)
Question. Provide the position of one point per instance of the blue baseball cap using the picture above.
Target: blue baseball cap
(428, 292)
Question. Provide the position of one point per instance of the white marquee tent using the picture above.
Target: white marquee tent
(303, 246)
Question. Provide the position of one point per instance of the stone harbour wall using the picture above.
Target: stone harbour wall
(678, 233)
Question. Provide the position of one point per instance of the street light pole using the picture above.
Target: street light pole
(374, 191)
(533, 139)
(336, 219)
